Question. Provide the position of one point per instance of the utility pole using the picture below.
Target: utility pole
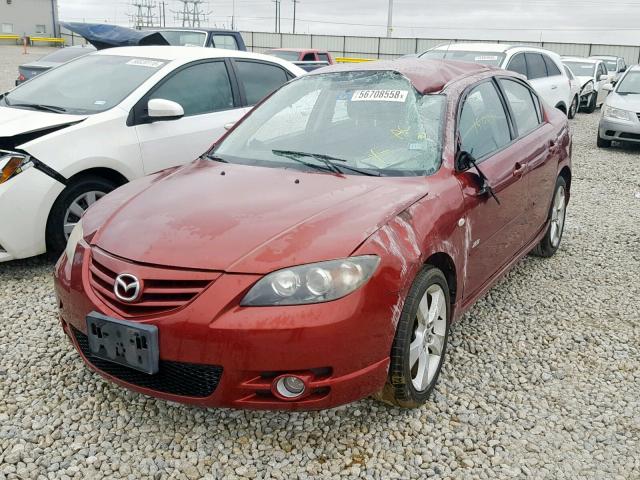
(295, 2)
(390, 19)
(277, 27)
(233, 15)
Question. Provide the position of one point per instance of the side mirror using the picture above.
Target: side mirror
(464, 161)
(603, 77)
(161, 109)
(623, 69)
(607, 87)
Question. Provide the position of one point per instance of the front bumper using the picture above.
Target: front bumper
(619, 130)
(25, 203)
(341, 347)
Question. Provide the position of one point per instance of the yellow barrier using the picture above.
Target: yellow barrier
(353, 60)
(47, 40)
(9, 36)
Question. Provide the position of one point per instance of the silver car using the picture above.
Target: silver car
(621, 112)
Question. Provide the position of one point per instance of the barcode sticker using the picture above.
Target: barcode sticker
(143, 62)
(379, 96)
(487, 58)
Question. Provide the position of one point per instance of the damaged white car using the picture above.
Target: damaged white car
(78, 131)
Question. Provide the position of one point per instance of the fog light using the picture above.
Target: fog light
(290, 386)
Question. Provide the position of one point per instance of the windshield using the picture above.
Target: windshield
(90, 84)
(486, 58)
(581, 69)
(284, 54)
(372, 121)
(629, 84)
(184, 38)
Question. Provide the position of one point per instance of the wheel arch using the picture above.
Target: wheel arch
(565, 173)
(443, 262)
(562, 107)
(103, 172)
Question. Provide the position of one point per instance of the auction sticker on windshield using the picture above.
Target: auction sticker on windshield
(143, 62)
(487, 58)
(379, 96)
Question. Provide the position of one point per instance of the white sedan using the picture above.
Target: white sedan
(76, 132)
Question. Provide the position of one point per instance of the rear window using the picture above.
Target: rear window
(581, 69)
(485, 58)
(66, 54)
(184, 38)
(228, 42)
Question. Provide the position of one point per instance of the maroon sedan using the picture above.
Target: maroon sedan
(320, 251)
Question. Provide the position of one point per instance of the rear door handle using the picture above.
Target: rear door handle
(554, 87)
(518, 169)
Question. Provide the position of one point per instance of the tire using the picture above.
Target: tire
(550, 243)
(603, 142)
(430, 294)
(591, 106)
(62, 211)
(573, 109)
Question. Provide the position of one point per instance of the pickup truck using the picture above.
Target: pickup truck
(306, 58)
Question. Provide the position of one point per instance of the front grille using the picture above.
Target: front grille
(163, 291)
(175, 378)
(630, 136)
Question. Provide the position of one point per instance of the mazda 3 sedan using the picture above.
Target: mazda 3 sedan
(321, 250)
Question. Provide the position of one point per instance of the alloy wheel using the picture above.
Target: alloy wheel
(558, 211)
(428, 340)
(78, 207)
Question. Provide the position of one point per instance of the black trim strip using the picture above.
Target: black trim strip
(50, 172)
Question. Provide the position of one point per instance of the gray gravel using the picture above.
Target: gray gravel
(542, 379)
(11, 57)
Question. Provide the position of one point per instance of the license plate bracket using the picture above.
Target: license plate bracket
(130, 344)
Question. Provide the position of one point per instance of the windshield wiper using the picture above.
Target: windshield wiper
(215, 158)
(37, 106)
(326, 159)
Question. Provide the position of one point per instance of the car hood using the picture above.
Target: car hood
(625, 102)
(18, 121)
(246, 219)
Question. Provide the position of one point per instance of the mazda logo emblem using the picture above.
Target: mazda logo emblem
(127, 287)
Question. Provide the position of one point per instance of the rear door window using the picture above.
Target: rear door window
(536, 67)
(324, 57)
(483, 125)
(521, 101)
(259, 79)
(309, 57)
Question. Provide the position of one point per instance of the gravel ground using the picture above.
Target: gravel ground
(542, 378)
(12, 56)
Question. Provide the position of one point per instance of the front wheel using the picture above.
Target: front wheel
(573, 109)
(603, 142)
(69, 207)
(593, 100)
(550, 243)
(420, 342)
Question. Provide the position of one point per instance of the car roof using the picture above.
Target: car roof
(612, 57)
(493, 47)
(171, 53)
(191, 29)
(426, 75)
(294, 49)
(581, 59)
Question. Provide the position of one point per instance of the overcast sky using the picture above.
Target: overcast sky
(588, 21)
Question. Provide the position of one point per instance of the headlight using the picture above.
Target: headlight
(12, 164)
(588, 88)
(618, 113)
(312, 283)
(76, 235)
